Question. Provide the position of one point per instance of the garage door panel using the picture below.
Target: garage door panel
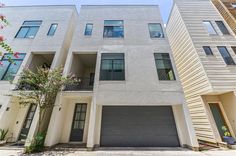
(138, 127)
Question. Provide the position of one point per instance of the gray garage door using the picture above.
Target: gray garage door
(138, 127)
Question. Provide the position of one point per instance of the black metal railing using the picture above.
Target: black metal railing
(82, 84)
(25, 86)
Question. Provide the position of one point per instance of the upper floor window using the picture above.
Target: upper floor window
(222, 27)
(207, 50)
(155, 30)
(112, 66)
(113, 29)
(88, 29)
(233, 5)
(29, 29)
(209, 27)
(164, 66)
(9, 69)
(52, 29)
(226, 56)
(234, 49)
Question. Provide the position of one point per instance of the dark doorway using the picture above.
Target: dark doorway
(27, 123)
(77, 130)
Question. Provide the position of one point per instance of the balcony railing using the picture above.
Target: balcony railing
(83, 84)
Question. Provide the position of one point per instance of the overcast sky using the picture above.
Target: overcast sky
(165, 5)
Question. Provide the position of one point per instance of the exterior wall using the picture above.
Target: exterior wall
(200, 74)
(191, 72)
(141, 85)
(41, 44)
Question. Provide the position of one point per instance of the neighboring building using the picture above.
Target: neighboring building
(129, 94)
(42, 35)
(203, 47)
(227, 9)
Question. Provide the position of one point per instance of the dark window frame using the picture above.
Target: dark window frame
(90, 32)
(171, 67)
(113, 26)
(53, 31)
(220, 24)
(112, 71)
(5, 58)
(37, 24)
(206, 28)
(229, 60)
(208, 53)
(163, 35)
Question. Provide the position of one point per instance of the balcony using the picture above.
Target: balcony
(83, 67)
(36, 60)
(83, 84)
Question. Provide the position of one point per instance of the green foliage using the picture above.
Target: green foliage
(3, 134)
(226, 131)
(37, 145)
(44, 86)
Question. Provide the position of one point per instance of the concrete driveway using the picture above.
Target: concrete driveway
(19, 152)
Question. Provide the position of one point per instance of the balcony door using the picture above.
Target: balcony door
(77, 130)
(27, 123)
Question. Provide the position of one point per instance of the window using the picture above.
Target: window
(112, 67)
(155, 30)
(234, 49)
(164, 66)
(222, 27)
(233, 5)
(226, 56)
(113, 29)
(207, 50)
(8, 70)
(29, 29)
(52, 29)
(88, 29)
(209, 27)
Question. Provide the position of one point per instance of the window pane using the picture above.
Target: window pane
(209, 27)
(207, 50)
(3, 68)
(113, 28)
(164, 67)
(106, 65)
(12, 70)
(22, 32)
(88, 30)
(155, 30)
(52, 29)
(113, 23)
(226, 56)
(234, 49)
(32, 32)
(118, 65)
(112, 67)
(222, 27)
(32, 23)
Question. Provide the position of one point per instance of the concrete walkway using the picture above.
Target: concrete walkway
(18, 152)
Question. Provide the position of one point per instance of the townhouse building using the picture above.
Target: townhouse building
(228, 11)
(42, 35)
(203, 46)
(129, 93)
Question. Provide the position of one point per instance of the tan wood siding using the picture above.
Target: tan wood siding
(192, 75)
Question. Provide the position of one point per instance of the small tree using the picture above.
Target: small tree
(44, 86)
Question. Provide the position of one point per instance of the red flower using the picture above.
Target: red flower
(16, 54)
(1, 38)
(2, 17)
(1, 64)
